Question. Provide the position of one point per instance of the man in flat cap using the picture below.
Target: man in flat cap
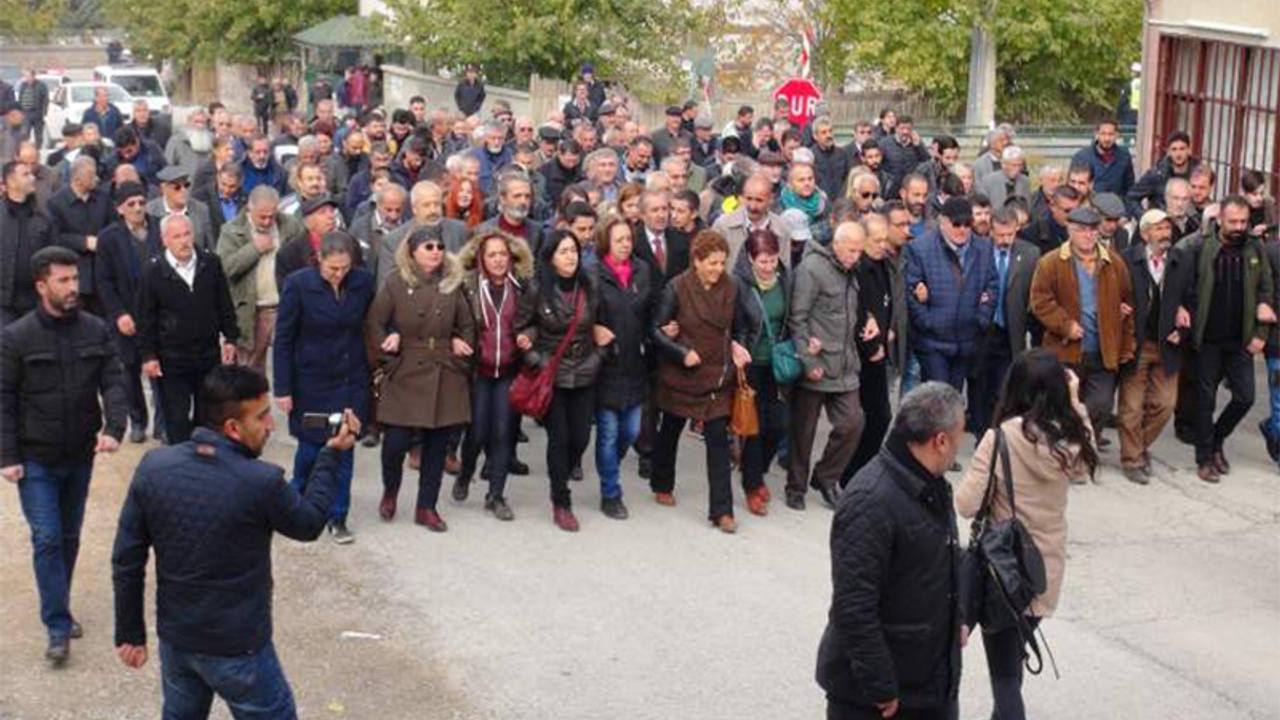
(175, 199)
(1083, 296)
(1111, 233)
(320, 215)
(663, 137)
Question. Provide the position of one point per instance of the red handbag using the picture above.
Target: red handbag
(532, 389)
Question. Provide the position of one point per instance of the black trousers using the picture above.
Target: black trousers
(715, 435)
(1184, 412)
(873, 393)
(396, 442)
(568, 434)
(1097, 389)
(989, 375)
(840, 711)
(180, 397)
(1004, 661)
(758, 452)
(1214, 363)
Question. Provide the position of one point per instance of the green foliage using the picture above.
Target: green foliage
(636, 42)
(30, 20)
(245, 31)
(1057, 61)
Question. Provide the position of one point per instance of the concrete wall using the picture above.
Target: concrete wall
(399, 84)
(41, 57)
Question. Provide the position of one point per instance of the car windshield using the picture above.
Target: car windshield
(83, 94)
(139, 85)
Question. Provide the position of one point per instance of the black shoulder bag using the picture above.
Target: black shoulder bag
(1003, 568)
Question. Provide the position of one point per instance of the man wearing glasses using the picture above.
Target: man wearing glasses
(175, 199)
(951, 285)
(866, 193)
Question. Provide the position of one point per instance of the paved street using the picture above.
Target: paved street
(1171, 607)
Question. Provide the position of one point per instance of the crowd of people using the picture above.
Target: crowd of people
(418, 269)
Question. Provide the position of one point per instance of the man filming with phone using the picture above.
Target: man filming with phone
(210, 509)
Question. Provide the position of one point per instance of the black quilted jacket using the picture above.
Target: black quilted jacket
(210, 511)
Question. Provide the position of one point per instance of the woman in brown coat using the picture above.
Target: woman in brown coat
(427, 359)
(1050, 441)
(702, 331)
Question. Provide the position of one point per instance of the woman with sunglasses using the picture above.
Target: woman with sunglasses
(319, 362)
(567, 297)
(425, 331)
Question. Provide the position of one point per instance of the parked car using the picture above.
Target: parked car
(139, 81)
(70, 101)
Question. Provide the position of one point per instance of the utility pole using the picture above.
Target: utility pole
(980, 108)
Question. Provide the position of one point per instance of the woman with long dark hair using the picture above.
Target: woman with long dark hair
(1050, 441)
(565, 291)
(767, 286)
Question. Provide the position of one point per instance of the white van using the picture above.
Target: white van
(140, 81)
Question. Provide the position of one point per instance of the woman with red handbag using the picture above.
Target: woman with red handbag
(427, 391)
(559, 330)
(702, 330)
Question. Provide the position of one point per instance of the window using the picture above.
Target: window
(140, 85)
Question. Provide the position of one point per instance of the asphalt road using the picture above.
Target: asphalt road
(1171, 606)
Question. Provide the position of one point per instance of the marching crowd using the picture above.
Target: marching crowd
(454, 281)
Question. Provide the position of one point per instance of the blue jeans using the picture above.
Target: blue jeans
(910, 374)
(492, 429)
(950, 370)
(615, 432)
(304, 460)
(1273, 379)
(53, 500)
(253, 686)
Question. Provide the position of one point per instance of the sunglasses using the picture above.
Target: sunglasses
(179, 185)
(432, 246)
(962, 223)
(136, 202)
(870, 195)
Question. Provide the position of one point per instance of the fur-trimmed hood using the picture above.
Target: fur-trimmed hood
(408, 269)
(521, 256)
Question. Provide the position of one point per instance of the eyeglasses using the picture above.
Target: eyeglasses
(136, 202)
(179, 185)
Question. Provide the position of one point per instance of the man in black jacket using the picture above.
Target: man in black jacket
(79, 213)
(183, 306)
(894, 631)
(55, 362)
(563, 170)
(210, 509)
(24, 230)
(125, 249)
(469, 95)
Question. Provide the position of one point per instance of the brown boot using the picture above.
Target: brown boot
(431, 520)
(665, 499)
(726, 524)
(1208, 473)
(757, 504)
(387, 508)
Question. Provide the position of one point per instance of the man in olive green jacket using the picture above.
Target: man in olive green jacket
(1232, 300)
(248, 246)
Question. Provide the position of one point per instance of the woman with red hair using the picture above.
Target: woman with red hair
(465, 202)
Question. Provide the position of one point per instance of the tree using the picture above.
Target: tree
(635, 42)
(30, 20)
(1059, 62)
(246, 31)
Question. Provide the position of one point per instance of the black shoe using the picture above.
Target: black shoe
(829, 495)
(614, 508)
(646, 468)
(954, 467)
(371, 439)
(1273, 441)
(461, 488)
(161, 437)
(77, 632)
(499, 508)
(137, 435)
(341, 535)
(795, 501)
(519, 469)
(521, 437)
(58, 651)
(576, 474)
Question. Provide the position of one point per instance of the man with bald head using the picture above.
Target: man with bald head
(388, 214)
(753, 214)
(79, 213)
(427, 203)
(186, 323)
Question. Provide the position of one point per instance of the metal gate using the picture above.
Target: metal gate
(1227, 98)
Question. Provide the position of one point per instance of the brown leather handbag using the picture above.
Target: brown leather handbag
(744, 418)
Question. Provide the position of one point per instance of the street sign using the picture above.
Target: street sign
(802, 100)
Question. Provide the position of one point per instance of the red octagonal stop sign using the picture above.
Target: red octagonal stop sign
(802, 100)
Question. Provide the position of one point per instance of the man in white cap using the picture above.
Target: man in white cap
(1149, 386)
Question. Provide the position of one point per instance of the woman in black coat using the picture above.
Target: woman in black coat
(564, 290)
(626, 302)
(875, 314)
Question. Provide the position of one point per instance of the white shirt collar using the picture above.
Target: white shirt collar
(186, 271)
(170, 211)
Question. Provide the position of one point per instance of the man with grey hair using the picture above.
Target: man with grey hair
(493, 153)
(191, 145)
(248, 247)
(997, 140)
(895, 602)
(1008, 181)
(831, 162)
(601, 167)
(866, 193)
(824, 328)
(1051, 176)
(515, 199)
(150, 127)
(79, 212)
(369, 229)
(1177, 205)
(753, 213)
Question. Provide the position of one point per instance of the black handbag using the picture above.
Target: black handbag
(1002, 568)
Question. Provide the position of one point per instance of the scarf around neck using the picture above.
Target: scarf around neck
(811, 206)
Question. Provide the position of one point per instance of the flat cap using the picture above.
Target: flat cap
(172, 173)
(1109, 205)
(1084, 215)
(313, 204)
